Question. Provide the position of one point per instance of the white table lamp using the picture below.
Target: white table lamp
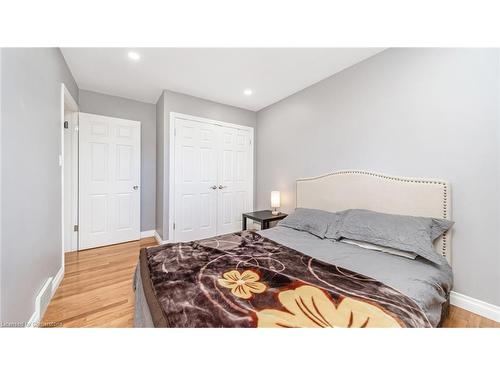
(275, 202)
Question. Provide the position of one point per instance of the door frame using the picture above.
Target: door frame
(67, 101)
(171, 162)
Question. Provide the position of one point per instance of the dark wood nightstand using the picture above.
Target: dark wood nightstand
(263, 217)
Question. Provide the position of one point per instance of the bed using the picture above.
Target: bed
(282, 277)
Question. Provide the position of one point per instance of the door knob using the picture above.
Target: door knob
(135, 187)
(213, 187)
(222, 187)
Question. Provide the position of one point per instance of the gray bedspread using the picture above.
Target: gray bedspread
(142, 315)
(424, 282)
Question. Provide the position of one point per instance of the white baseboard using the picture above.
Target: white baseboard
(476, 306)
(57, 280)
(148, 233)
(160, 240)
(34, 321)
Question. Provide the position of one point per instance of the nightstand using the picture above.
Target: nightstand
(263, 217)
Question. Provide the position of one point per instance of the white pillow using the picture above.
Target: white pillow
(389, 250)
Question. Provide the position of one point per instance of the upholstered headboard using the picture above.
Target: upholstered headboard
(342, 190)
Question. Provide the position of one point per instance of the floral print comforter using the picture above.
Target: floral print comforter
(246, 280)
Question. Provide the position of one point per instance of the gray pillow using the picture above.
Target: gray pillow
(407, 233)
(335, 225)
(309, 220)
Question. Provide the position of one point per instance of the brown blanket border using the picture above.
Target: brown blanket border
(157, 314)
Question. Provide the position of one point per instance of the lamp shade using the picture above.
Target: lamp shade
(275, 199)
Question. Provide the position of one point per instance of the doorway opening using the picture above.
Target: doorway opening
(69, 171)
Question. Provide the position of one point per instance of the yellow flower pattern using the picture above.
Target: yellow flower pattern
(242, 285)
(310, 307)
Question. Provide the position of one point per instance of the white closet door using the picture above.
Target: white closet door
(109, 177)
(195, 186)
(235, 177)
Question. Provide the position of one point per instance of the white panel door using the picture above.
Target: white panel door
(109, 176)
(235, 177)
(195, 185)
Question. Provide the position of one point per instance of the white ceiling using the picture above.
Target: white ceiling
(218, 74)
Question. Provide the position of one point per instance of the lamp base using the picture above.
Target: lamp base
(274, 212)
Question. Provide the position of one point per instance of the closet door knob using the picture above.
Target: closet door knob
(213, 187)
(135, 187)
(222, 187)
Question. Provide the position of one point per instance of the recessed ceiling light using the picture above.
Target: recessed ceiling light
(134, 56)
(248, 92)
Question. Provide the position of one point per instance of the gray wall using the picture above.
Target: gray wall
(409, 112)
(160, 123)
(113, 106)
(175, 102)
(31, 177)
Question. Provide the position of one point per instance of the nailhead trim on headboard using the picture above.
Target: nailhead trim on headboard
(399, 179)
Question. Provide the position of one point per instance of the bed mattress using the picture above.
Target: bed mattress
(425, 283)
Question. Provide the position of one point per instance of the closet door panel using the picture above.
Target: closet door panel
(234, 186)
(195, 154)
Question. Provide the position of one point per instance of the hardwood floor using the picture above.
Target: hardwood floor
(97, 291)
(97, 287)
(460, 318)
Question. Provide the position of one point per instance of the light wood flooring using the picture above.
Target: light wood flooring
(97, 287)
(97, 290)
